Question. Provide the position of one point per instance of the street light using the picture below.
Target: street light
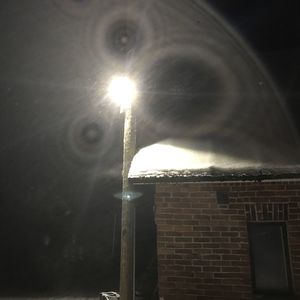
(123, 91)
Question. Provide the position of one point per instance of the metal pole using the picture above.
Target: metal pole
(127, 225)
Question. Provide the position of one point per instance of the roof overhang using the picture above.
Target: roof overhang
(173, 161)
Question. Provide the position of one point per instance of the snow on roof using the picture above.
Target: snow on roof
(177, 160)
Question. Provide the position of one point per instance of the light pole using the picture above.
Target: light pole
(122, 90)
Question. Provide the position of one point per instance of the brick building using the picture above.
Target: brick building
(227, 229)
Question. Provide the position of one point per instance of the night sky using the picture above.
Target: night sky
(60, 151)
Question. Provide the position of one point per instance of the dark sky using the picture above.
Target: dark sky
(272, 29)
(61, 162)
(268, 26)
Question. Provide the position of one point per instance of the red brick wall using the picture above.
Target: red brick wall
(203, 250)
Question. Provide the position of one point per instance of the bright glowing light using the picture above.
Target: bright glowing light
(131, 195)
(122, 90)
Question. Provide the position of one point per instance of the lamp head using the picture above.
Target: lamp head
(122, 90)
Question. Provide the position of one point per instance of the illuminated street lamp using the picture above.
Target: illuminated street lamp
(123, 91)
